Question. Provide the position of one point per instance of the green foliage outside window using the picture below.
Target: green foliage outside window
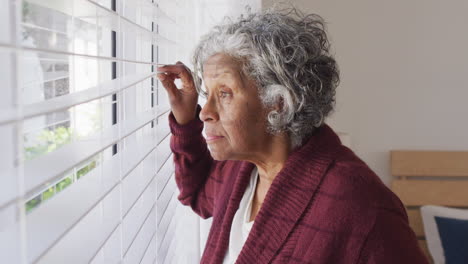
(48, 193)
(33, 203)
(52, 139)
(64, 183)
(61, 185)
(83, 171)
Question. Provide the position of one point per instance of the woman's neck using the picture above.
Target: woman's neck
(270, 164)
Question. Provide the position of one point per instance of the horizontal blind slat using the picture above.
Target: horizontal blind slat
(142, 240)
(150, 251)
(166, 232)
(164, 151)
(135, 218)
(38, 171)
(112, 248)
(97, 92)
(164, 40)
(175, 245)
(162, 17)
(191, 240)
(164, 175)
(44, 232)
(81, 243)
(86, 192)
(84, 195)
(138, 154)
(140, 185)
(164, 202)
(10, 234)
(8, 196)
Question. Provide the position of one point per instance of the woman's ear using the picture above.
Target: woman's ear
(279, 106)
(280, 102)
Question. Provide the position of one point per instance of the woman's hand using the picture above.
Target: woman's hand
(183, 101)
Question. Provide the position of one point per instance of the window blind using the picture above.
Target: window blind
(86, 168)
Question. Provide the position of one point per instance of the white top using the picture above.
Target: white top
(240, 221)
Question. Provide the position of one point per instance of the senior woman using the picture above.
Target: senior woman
(280, 186)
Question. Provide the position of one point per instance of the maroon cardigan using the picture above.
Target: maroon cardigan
(325, 206)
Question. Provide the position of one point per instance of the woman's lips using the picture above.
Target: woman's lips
(212, 138)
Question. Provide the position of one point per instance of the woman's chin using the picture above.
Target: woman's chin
(218, 154)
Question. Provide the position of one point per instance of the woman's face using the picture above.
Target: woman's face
(233, 115)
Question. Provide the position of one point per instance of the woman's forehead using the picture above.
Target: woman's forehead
(220, 64)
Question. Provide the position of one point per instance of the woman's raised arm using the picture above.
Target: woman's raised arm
(193, 162)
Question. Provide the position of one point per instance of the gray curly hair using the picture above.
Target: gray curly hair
(287, 54)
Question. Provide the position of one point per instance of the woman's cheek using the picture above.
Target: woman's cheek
(237, 132)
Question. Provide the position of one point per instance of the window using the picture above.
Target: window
(86, 172)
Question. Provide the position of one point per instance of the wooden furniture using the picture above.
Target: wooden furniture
(429, 177)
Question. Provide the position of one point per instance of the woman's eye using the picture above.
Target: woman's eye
(223, 94)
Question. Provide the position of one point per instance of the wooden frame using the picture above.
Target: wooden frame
(429, 177)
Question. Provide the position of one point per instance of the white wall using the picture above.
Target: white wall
(403, 74)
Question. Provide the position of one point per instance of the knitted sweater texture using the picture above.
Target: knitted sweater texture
(324, 206)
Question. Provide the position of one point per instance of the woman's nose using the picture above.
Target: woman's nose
(209, 112)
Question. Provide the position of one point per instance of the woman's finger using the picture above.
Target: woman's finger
(168, 82)
(182, 72)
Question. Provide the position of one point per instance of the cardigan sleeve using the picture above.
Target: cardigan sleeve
(193, 166)
(391, 241)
